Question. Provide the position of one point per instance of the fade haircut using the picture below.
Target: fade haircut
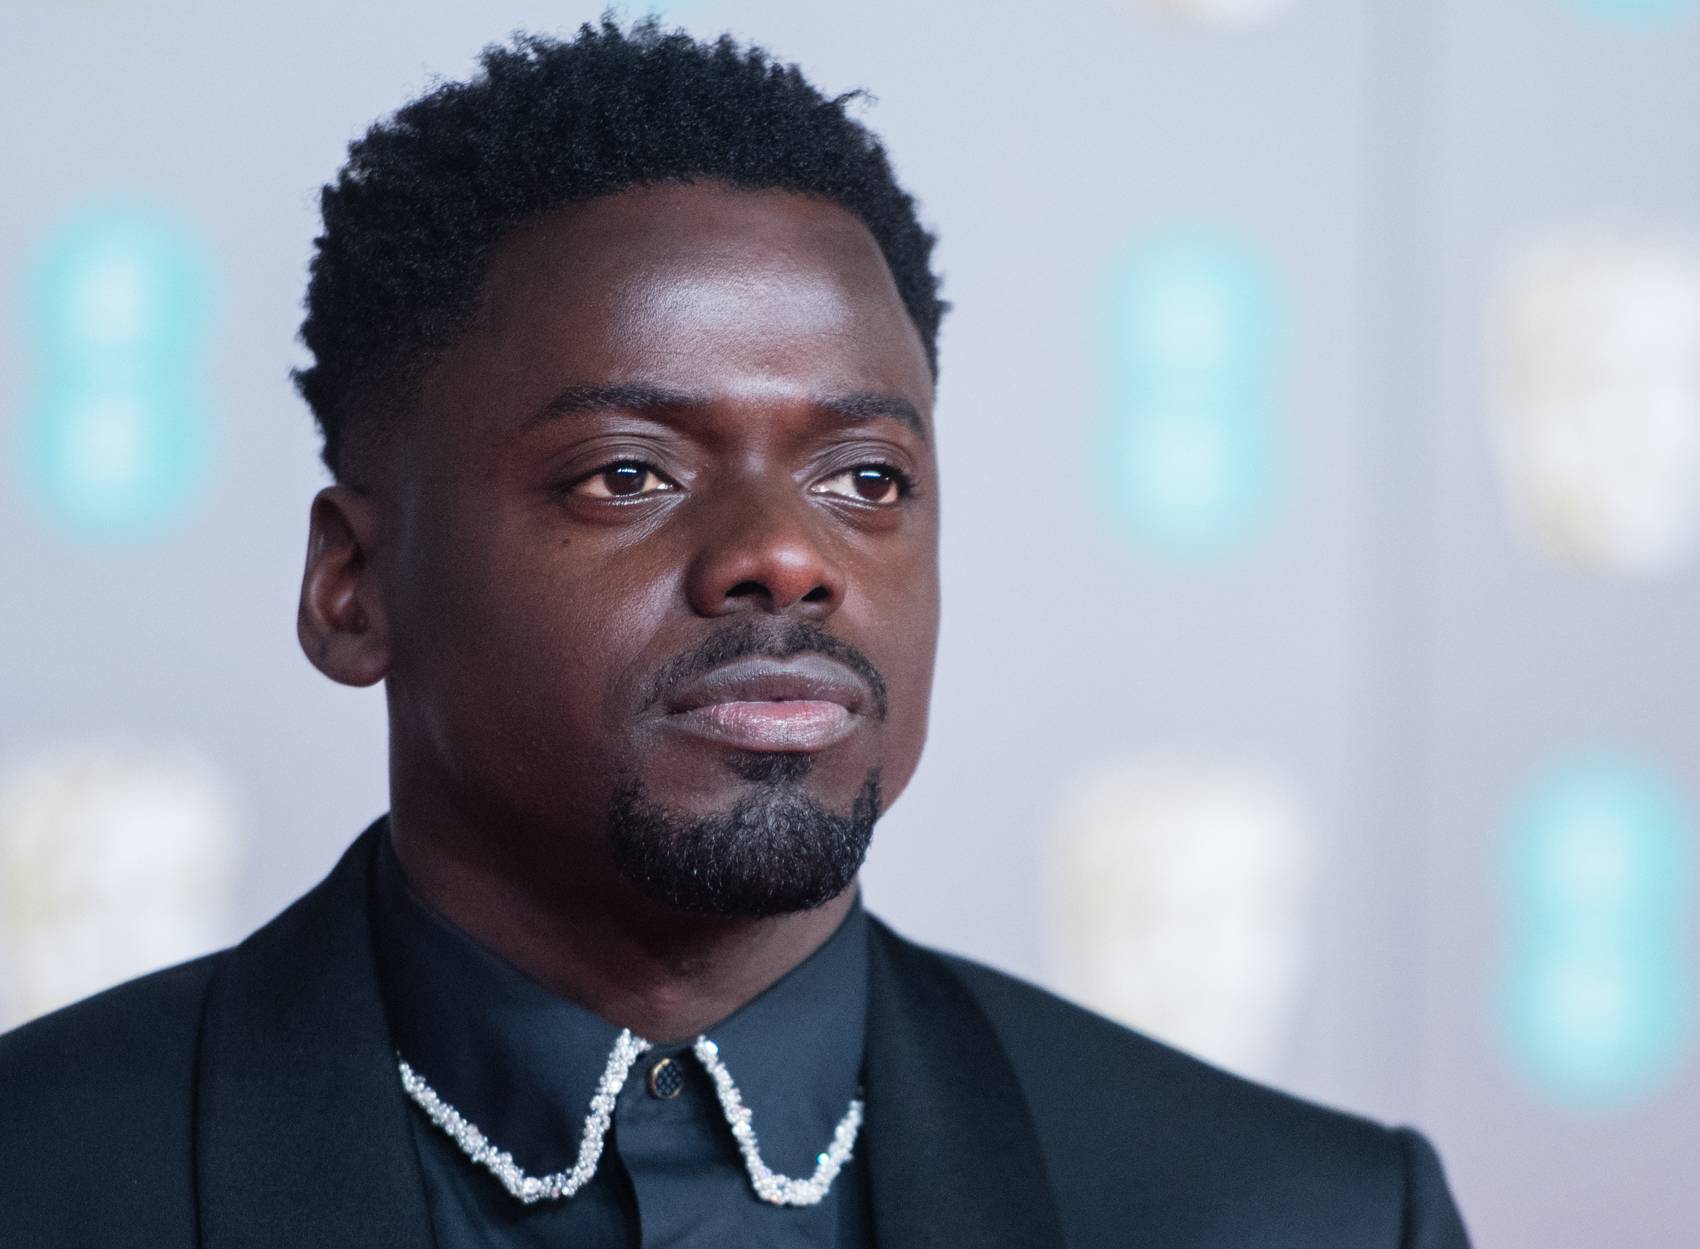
(411, 220)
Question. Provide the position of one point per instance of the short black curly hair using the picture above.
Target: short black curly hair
(412, 217)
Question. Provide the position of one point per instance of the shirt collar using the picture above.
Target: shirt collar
(523, 1063)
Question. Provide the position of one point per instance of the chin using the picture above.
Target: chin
(771, 767)
(775, 849)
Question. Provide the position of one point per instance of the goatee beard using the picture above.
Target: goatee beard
(776, 852)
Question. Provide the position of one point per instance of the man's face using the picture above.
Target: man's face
(659, 553)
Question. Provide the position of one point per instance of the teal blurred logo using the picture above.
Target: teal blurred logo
(115, 435)
(1595, 1000)
(1634, 12)
(1198, 323)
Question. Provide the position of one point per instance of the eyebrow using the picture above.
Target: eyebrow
(867, 405)
(576, 400)
(862, 405)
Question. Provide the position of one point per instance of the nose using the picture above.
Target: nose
(765, 550)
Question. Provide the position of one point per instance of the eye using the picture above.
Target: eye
(879, 484)
(625, 479)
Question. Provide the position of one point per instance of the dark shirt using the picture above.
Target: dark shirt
(522, 1065)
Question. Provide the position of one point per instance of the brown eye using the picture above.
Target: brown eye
(868, 483)
(626, 480)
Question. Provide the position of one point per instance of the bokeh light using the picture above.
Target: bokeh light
(1595, 1002)
(1594, 396)
(1635, 12)
(116, 858)
(1182, 888)
(116, 431)
(1199, 330)
(1222, 14)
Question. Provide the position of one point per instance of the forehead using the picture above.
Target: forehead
(700, 287)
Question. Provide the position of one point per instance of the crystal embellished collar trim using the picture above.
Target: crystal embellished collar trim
(769, 1185)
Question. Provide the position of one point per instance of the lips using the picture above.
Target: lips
(805, 703)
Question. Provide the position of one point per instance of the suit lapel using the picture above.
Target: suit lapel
(952, 1156)
(302, 1135)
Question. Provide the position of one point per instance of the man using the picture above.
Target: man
(624, 355)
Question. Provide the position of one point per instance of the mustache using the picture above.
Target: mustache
(777, 640)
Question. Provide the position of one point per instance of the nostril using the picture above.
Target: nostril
(774, 595)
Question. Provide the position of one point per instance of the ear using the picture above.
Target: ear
(341, 620)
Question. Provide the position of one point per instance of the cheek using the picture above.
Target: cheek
(512, 636)
(910, 620)
(576, 628)
(904, 734)
(911, 701)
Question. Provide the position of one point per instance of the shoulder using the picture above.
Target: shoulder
(103, 1088)
(127, 1037)
(1137, 1133)
(1077, 1056)
(1048, 1036)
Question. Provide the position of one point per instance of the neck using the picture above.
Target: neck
(595, 939)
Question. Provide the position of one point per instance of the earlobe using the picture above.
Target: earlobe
(341, 621)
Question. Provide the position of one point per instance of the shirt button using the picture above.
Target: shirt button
(666, 1081)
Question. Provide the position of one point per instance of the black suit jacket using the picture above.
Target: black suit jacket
(249, 1099)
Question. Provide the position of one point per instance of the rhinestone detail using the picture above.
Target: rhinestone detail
(499, 1163)
(769, 1185)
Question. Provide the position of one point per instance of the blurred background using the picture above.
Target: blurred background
(1320, 423)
